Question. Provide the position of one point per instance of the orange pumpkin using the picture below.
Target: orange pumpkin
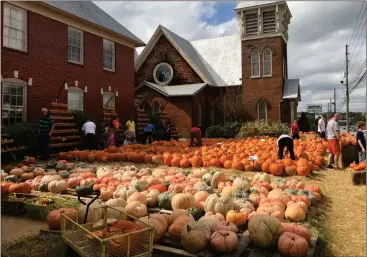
(276, 169)
(196, 162)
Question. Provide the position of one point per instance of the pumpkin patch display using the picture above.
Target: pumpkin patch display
(178, 225)
(195, 236)
(264, 230)
(292, 245)
(224, 241)
(53, 219)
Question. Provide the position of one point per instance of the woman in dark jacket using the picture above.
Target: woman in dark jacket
(167, 130)
(46, 128)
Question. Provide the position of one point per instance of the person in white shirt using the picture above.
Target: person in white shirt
(89, 129)
(321, 127)
(283, 142)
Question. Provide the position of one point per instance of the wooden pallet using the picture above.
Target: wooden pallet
(244, 249)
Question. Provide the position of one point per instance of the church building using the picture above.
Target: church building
(185, 80)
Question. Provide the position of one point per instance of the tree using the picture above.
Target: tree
(230, 103)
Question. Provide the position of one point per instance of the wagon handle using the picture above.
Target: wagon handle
(98, 193)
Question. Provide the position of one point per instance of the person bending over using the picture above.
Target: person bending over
(283, 142)
(195, 136)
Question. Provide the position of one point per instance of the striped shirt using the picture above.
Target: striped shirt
(46, 123)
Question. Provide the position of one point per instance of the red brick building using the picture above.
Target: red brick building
(70, 50)
(185, 79)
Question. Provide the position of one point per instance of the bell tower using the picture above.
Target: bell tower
(264, 36)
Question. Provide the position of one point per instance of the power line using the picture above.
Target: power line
(359, 82)
(359, 71)
(355, 26)
(359, 49)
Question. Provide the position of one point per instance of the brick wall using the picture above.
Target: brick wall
(164, 51)
(270, 88)
(179, 109)
(46, 61)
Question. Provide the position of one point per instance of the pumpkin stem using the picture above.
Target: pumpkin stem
(188, 228)
(227, 224)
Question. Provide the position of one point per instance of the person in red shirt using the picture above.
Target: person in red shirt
(195, 135)
(295, 130)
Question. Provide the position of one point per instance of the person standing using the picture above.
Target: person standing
(321, 127)
(46, 128)
(149, 131)
(295, 130)
(334, 141)
(167, 130)
(89, 128)
(361, 141)
(111, 135)
(283, 142)
(195, 137)
(131, 129)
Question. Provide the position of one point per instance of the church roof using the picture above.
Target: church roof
(178, 90)
(291, 89)
(88, 11)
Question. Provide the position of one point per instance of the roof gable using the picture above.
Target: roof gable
(88, 11)
(185, 49)
(175, 90)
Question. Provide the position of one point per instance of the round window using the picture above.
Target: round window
(163, 74)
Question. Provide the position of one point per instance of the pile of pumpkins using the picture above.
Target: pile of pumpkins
(230, 154)
(358, 167)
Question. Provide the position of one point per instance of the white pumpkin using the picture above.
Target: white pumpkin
(48, 178)
(124, 192)
(3, 175)
(104, 172)
(119, 202)
(140, 197)
(199, 173)
(153, 181)
(152, 197)
(136, 209)
(95, 212)
(140, 185)
(242, 183)
(57, 186)
(38, 171)
(158, 173)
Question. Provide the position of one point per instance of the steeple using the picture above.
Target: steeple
(262, 19)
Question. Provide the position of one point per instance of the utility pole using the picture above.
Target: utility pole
(331, 108)
(347, 86)
(334, 100)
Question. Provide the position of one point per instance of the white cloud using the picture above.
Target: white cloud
(317, 36)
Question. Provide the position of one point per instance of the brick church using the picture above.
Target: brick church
(184, 79)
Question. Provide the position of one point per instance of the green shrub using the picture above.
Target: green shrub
(262, 128)
(228, 130)
(25, 134)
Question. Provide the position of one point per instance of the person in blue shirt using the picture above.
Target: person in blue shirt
(149, 131)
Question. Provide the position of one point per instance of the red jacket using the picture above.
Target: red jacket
(196, 130)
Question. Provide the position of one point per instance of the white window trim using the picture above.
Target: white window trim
(109, 94)
(25, 94)
(113, 57)
(258, 111)
(76, 89)
(81, 45)
(271, 63)
(258, 58)
(25, 24)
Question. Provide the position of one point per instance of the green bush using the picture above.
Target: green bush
(25, 134)
(228, 130)
(262, 128)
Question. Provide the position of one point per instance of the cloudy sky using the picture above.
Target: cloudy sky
(318, 34)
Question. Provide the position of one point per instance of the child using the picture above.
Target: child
(361, 141)
(360, 177)
(149, 131)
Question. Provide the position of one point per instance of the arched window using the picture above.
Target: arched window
(267, 62)
(156, 108)
(199, 115)
(14, 97)
(255, 63)
(75, 99)
(262, 111)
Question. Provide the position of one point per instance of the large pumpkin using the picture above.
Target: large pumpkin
(236, 217)
(183, 201)
(53, 219)
(297, 229)
(264, 230)
(158, 223)
(292, 245)
(136, 209)
(140, 197)
(195, 236)
(57, 186)
(276, 169)
(224, 241)
(178, 225)
(217, 203)
(226, 225)
(165, 199)
(24, 188)
(242, 183)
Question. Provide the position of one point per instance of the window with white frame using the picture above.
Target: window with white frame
(267, 62)
(14, 27)
(14, 96)
(262, 111)
(109, 100)
(252, 27)
(255, 63)
(75, 45)
(108, 55)
(75, 99)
